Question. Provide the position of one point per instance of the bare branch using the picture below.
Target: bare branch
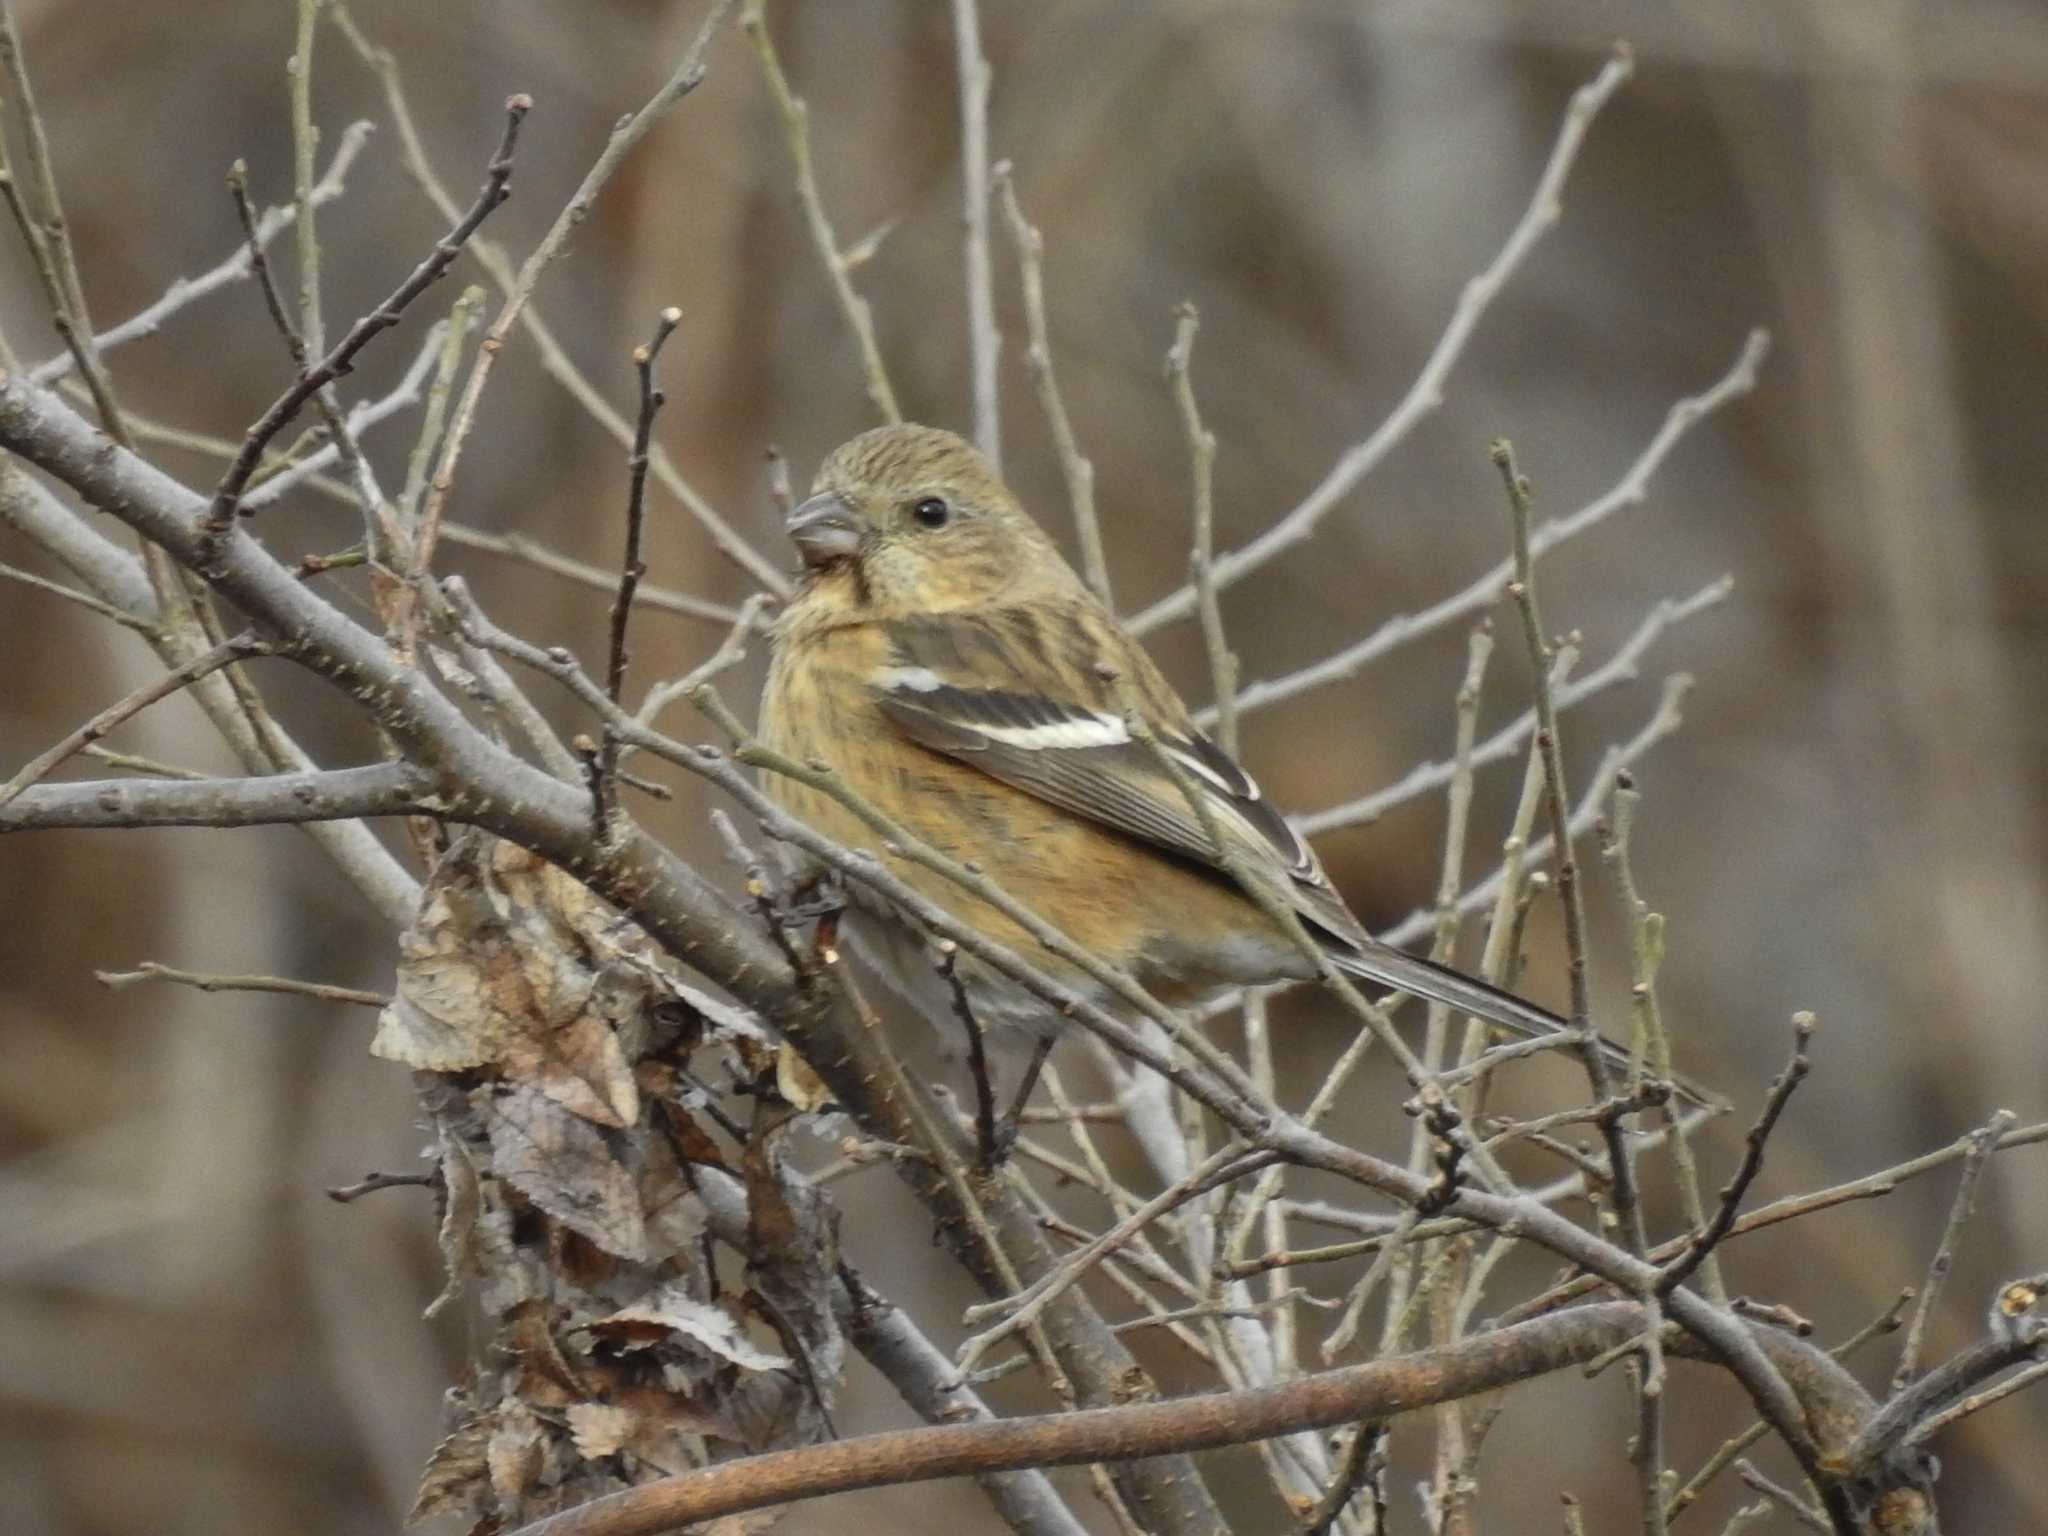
(1202, 556)
(1426, 393)
(1705, 1241)
(1664, 720)
(207, 981)
(1075, 467)
(1624, 666)
(554, 358)
(984, 341)
(1981, 1143)
(227, 653)
(227, 496)
(186, 291)
(341, 794)
(795, 114)
(1377, 1390)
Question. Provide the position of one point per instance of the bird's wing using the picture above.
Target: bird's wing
(1083, 758)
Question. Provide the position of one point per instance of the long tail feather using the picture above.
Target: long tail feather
(1468, 994)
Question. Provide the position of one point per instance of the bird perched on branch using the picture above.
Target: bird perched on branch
(946, 663)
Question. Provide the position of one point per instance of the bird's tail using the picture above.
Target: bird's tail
(1436, 983)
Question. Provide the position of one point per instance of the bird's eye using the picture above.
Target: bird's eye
(931, 512)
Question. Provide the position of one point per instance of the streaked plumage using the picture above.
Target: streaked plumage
(944, 659)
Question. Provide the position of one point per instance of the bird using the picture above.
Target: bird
(944, 661)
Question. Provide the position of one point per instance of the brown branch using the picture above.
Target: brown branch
(1075, 467)
(227, 495)
(341, 794)
(1705, 1241)
(42, 766)
(208, 981)
(1378, 1390)
(633, 566)
(1960, 1210)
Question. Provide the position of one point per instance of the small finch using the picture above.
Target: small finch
(951, 668)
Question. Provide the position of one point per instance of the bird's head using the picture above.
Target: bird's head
(912, 519)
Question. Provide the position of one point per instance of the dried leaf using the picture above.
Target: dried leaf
(476, 971)
(797, 1083)
(657, 1429)
(721, 1018)
(581, 1066)
(692, 1142)
(564, 1165)
(669, 1314)
(455, 1473)
(547, 1377)
(509, 1273)
(515, 1453)
(675, 1214)
(462, 1197)
(502, 969)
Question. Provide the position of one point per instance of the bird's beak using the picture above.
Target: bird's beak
(825, 529)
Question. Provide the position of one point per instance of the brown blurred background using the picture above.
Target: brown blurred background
(192, 1339)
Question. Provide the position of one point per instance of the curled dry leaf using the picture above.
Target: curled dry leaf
(515, 1453)
(564, 1165)
(657, 1428)
(797, 1083)
(501, 969)
(462, 1205)
(670, 1315)
(455, 1473)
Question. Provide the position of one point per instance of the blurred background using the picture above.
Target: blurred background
(194, 1339)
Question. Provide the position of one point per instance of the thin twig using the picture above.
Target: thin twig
(1813, 1519)
(795, 115)
(1653, 1042)
(1202, 555)
(1631, 490)
(1981, 1142)
(554, 357)
(84, 600)
(187, 291)
(517, 546)
(454, 338)
(208, 981)
(1664, 720)
(1624, 666)
(984, 341)
(688, 74)
(227, 496)
(977, 1056)
(633, 565)
(1522, 590)
(151, 767)
(1977, 1402)
(1705, 1241)
(49, 232)
(1075, 467)
(1366, 1451)
(372, 1182)
(1221, 1167)
(1426, 393)
(280, 473)
(44, 764)
(379, 536)
(732, 650)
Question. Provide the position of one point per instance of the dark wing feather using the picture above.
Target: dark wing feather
(1084, 761)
